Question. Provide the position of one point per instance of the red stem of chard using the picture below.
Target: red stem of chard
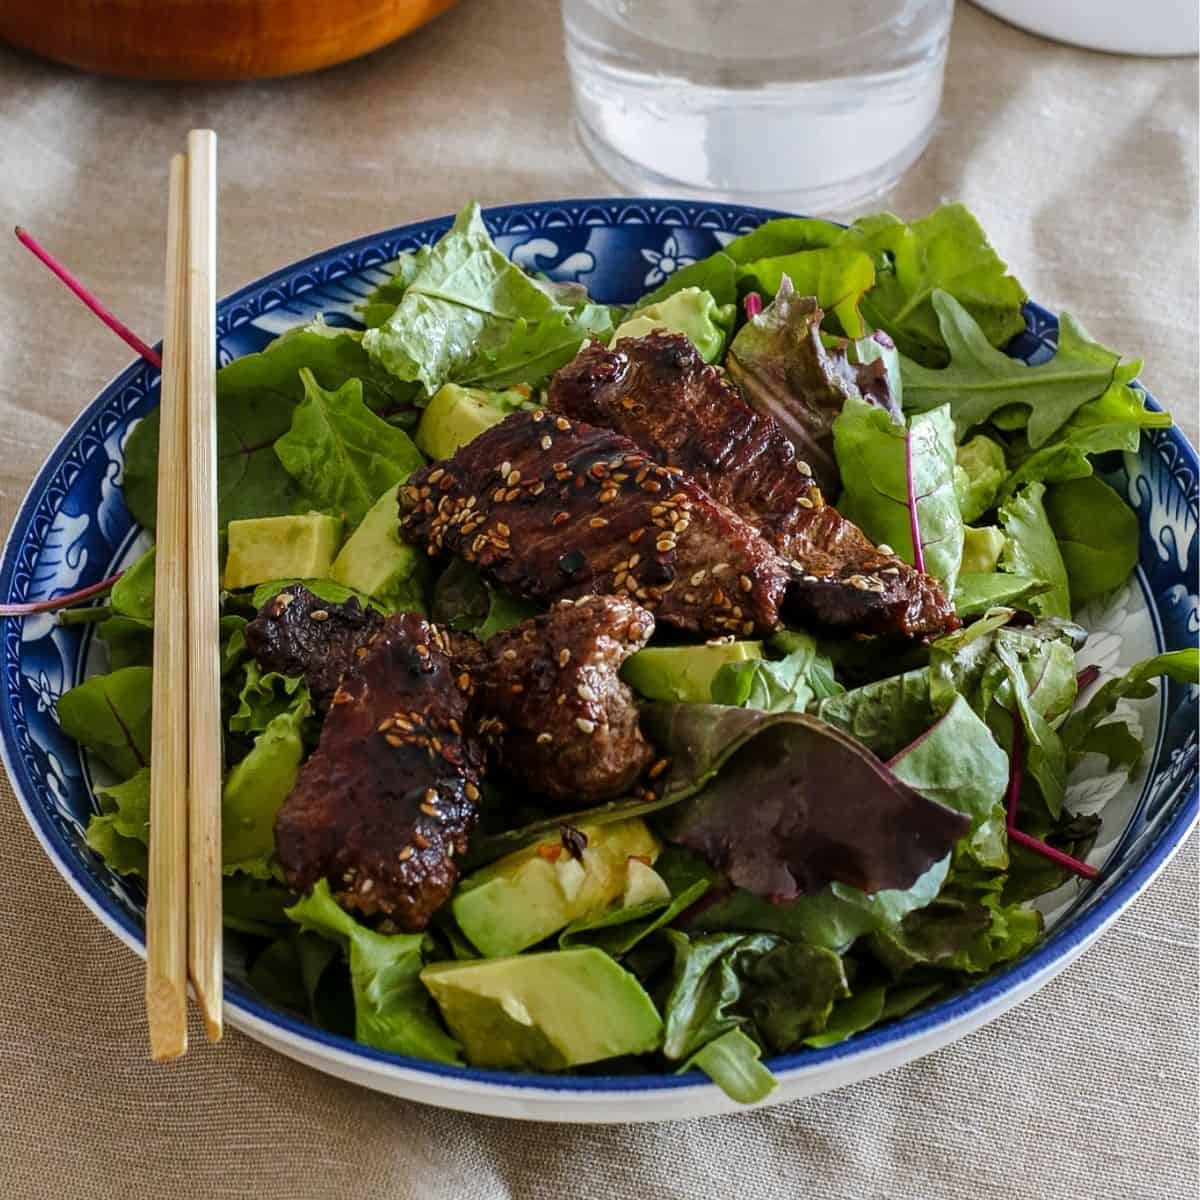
(114, 323)
(753, 305)
(1020, 837)
(1087, 677)
(914, 522)
(57, 602)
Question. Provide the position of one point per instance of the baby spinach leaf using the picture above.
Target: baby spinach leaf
(110, 716)
(850, 1016)
(392, 1009)
(873, 455)
(1098, 536)
(981, 380)
(731, 1061)
(976, 594)
(1032, 550)
(791, 992)
(341, 454)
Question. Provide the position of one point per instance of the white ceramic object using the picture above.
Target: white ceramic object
(1152, 27)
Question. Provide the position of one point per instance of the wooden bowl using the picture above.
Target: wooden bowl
(208, 39)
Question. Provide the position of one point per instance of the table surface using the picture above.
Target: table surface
(1081, 166)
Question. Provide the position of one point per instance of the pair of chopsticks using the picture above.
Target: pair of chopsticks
(183, 909)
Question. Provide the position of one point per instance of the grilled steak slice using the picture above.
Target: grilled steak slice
(548, 508)
(569, 725)
(387, 801)
(659, 392)
(297, 633)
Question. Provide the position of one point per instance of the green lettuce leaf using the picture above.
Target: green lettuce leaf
(978, 593)
(254, 791)
(1032, 550)
(1098, 536)
(788, 684)
(342, 455)
(392, 1009)
(873, 458)
(265, 696)
(129, 631)
(982, 380)
(381, 303)
(838, 276)
(120, 832)
(946, 251)
(110, 716)
(716, 274)
(465, 603)
(470, 316)
(323, 589)
(982, 469)
(255, 906)
(255, 398)
(783, 235)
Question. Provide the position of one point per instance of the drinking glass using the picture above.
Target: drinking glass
(811, 105)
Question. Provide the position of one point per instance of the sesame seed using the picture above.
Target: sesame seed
(510, 655)
(502, 529)
(720, 568)
(558, 466)
(560, 517)
(394, 739)
(884, 548)
(803, 468)
(598, 522)
(585, 693)
(744, 583)
(607, 495)
(652, 485)
(890, 571)
(636, 536)
(429, 810)
(681, 525)
(366, 886)
(634, 559)
(748, 628)
(658, 768)
(505, 467)
(318, 614)
(422, 650)
(584, 725)
(405, 854)
(436, 474)
(563, 424)
(804, 502)
(517, 688)
(664, 545)
(547, 442)
(817, 497)
(544, 739)
(514, 477)
(384, 725)
(498, 496)
(430, 796)
(718, 598)
(564, 657)
(560, 699)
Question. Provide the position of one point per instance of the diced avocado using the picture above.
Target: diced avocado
(982, 549)
(689, 311)
(526, 896)
(375, 560)
(643, 884)
(683, 674)
(298, 547)
(545, 1011)
(457, 415)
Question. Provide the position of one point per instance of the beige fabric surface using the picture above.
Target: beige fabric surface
(1083, 169)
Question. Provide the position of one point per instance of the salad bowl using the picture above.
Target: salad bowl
(74, 529)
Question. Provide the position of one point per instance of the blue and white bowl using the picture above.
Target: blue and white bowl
(74, 529)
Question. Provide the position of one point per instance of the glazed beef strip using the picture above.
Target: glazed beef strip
(658, 392)
(561, 720)
(386, 803)
(297, 633)
(550, 508)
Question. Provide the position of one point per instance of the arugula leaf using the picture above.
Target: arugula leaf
(255, 398)
(1086, 732)
(873, 458)
(1098, 536)
(254, 791)
(731, 1061)
(981, 380)
(789, 684)
(1032, 550)
(957, 763)
(947, 251)
(342, 455)
(392, 1009)
(110, 716)
(120, 831)
(470, 316)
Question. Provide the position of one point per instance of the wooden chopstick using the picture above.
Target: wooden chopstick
(166, 904)
(204, 718)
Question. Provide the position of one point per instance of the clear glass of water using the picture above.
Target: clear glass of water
(809, 105)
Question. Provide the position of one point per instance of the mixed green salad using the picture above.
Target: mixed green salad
(597, 942)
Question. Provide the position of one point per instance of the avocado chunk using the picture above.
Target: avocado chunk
(683, 674)
(524, 897)
(457, 415)
(689, 311)
(982, 549)
(265, 548)
(375, 560)
(545, 1011)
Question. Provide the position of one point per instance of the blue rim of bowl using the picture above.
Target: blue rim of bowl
(1060, 945)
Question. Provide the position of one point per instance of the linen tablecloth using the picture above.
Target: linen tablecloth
(1082, 168)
